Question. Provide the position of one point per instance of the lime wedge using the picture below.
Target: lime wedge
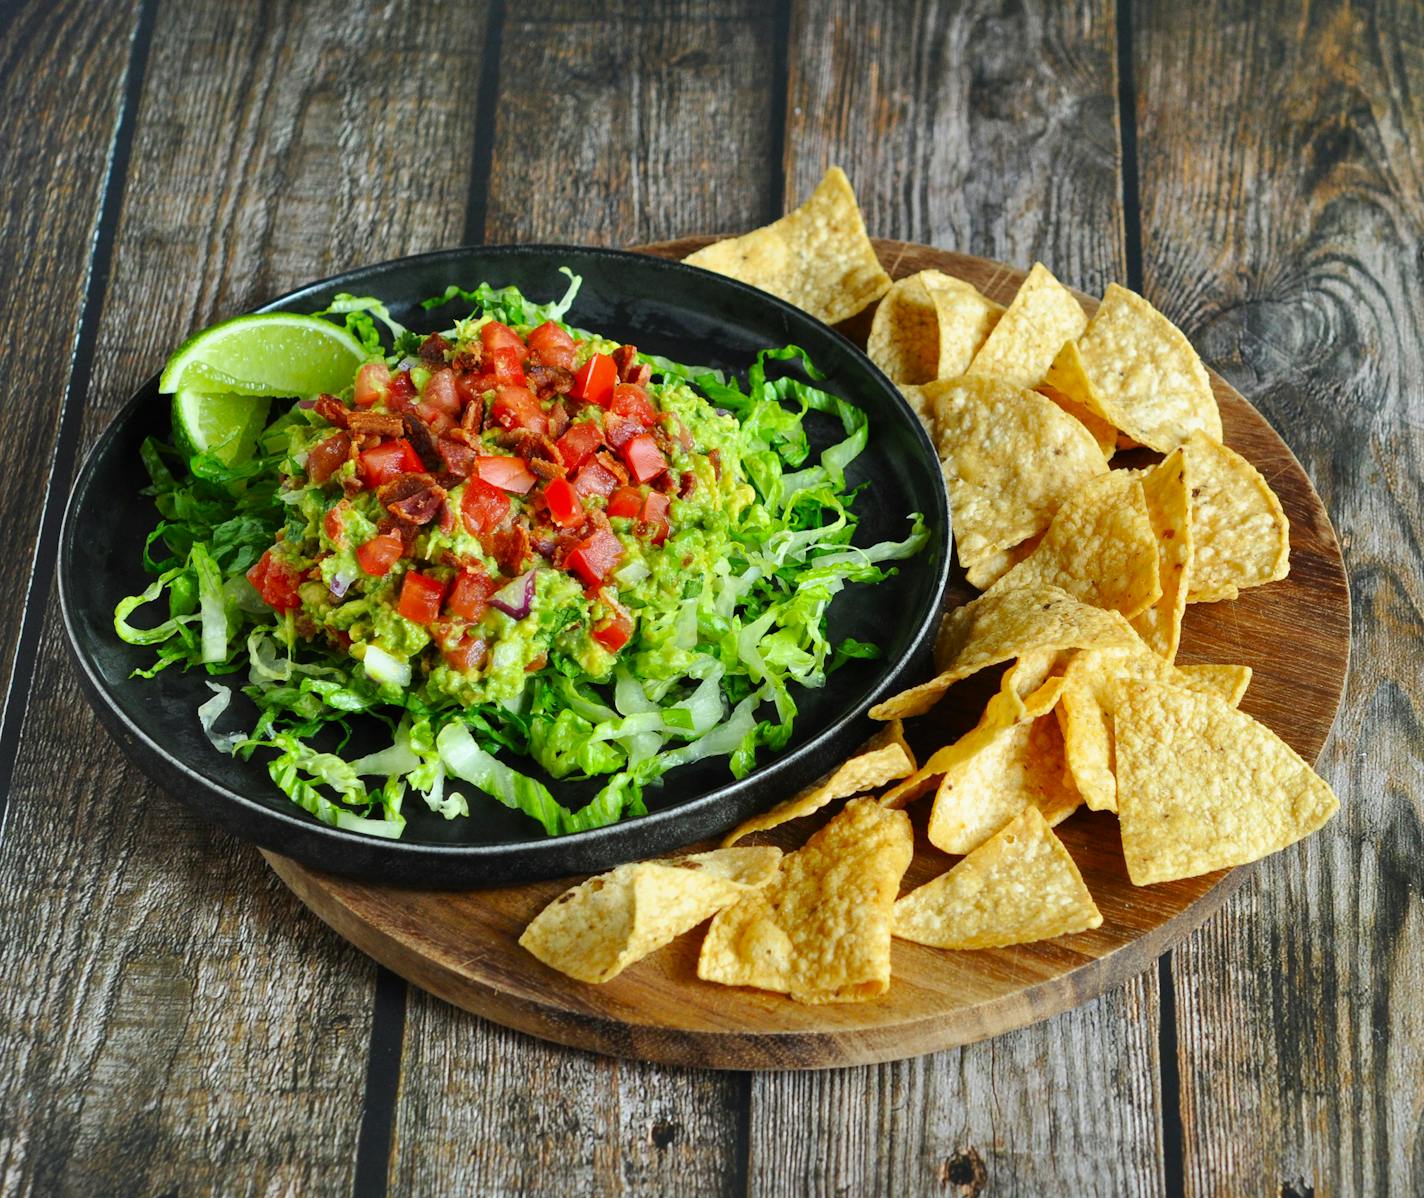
(276, 353)
(226, 426)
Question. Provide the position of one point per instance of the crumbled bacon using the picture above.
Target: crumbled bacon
(457, 457)
(433, 350)
(474, 414)
(558, 421)
(546, 470)
(687, 484)
(375, 424)
(333, 411)
(547, 381)
(413, 499)
(422, 440)
(613, 466)
(510, 547)
(467, 361)
(530, 445)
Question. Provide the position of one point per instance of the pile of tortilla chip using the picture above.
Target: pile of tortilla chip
(1085, 570)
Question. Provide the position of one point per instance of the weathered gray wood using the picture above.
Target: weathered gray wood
(171, 1020)
(992, 132)
(62, 78)
(613, 131)
(1282, 176)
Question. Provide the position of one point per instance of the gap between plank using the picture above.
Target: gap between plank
(780, 105)
(71, 412)
(375, 1142)
(1169, 1074)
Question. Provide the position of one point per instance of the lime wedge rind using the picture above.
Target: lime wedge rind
(225, 426)
(274, 353)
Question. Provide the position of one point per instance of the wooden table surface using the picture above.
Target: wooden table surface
(172, 1021)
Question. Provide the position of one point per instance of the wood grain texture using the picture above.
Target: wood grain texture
(463, 946)
(62, 78)
(1282, 180)
(632, 126)
(170, 1020)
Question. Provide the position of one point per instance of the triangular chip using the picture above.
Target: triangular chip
(1240, 534)
(1043, 315)
(929, 326)
(1093, 687)
(1103, 433)
(1018, 886)
(1019, 767)
(922, 405)
(1134, 368)
(603, 925)
(1203, 786)
(987, 571)
(1166, 489)
(1099, 548)
(817, 256)
(821, 931)
(885, 758)
(994, 628)
(1010, 458)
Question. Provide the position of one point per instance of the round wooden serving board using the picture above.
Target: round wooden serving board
(463, 946)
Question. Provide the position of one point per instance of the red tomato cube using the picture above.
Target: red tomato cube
(470, 595)
(564, 504)
(379, 554)
(595, 557)
(578, 444)
(420, 597)
(626, 501)
(483, 507)
(516, 407)
(554, 346)
(632, 403)
(594, 380)
(508, 474)
(389, 460)
(644, 459)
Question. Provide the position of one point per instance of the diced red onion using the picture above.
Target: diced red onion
(340, 583)
(515, 598)
(545, 546)
(306, 404)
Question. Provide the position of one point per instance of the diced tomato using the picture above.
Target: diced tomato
(325, 458)
(655, 517)
(594, 557)
(389, 460)
(400, 392)
(420, 597)
(595, 479)
(334, 524)
(554, 346)
(437, 420)
(594, 380)
(440, 392)
(472, 386)
(577, 445)
(276, 582)
(626, 501)
(614, 632)
(470, 595)
(632, 402)
(564, 505)
(373, 380)
(379, 554)
(645, 460)
(505, 365)
(495, 336)
(468, 655)
(509, 474)
(516, 407)
(483, 507)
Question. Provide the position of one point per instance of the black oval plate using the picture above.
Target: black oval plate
(663, 307)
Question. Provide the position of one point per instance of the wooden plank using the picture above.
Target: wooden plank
(1282, 184)
(991, 131)
(62, 77)
(635, 126)
(172, 1019)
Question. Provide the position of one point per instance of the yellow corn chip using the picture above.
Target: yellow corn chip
(817, 256)
(986, 572)
(1203, 786)
(1240, 535)
(1092, 688)
(1135, 369)
(1044, 314)
(1010, 457)
(1099, 548)
(885, 758)
(1020, 885)
(1168, 494)
(600, 927)
(1103, 433)
(929, 326)
(922, 406)
(821, 931)
(994, 628)
(1020, 766)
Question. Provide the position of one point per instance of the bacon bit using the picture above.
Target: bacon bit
(414, 499)
(406, 532)
(474, 414)
(531, 445)
(613, 466)
(687, 484)
(537, 664)
(663, 441)
(547, 381)
(457, 457)
(422, 440)
(546, 470)
(447, 518)
(333, 411)
(665, 483)
(640, 375)
(510, 547)
(467, 361)
(325, 458)
(375, 424)
(433, 350)
(625, 359)
(715, 457)
(558, 420)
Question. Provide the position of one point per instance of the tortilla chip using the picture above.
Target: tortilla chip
(922, 406)
(1168, 494)
(1018, 767)
(1203, 786)
(1092, 688)
(1099, 548)
(1240, 534)
(1020, 885)
(884, 758)
(1010, 459)
(1103, 433)
(1134, 368)
(817, 256)
(994, 628)
(1044, 314)
(597, 929)
(821, 931)
(929, 326)
(985, 573)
